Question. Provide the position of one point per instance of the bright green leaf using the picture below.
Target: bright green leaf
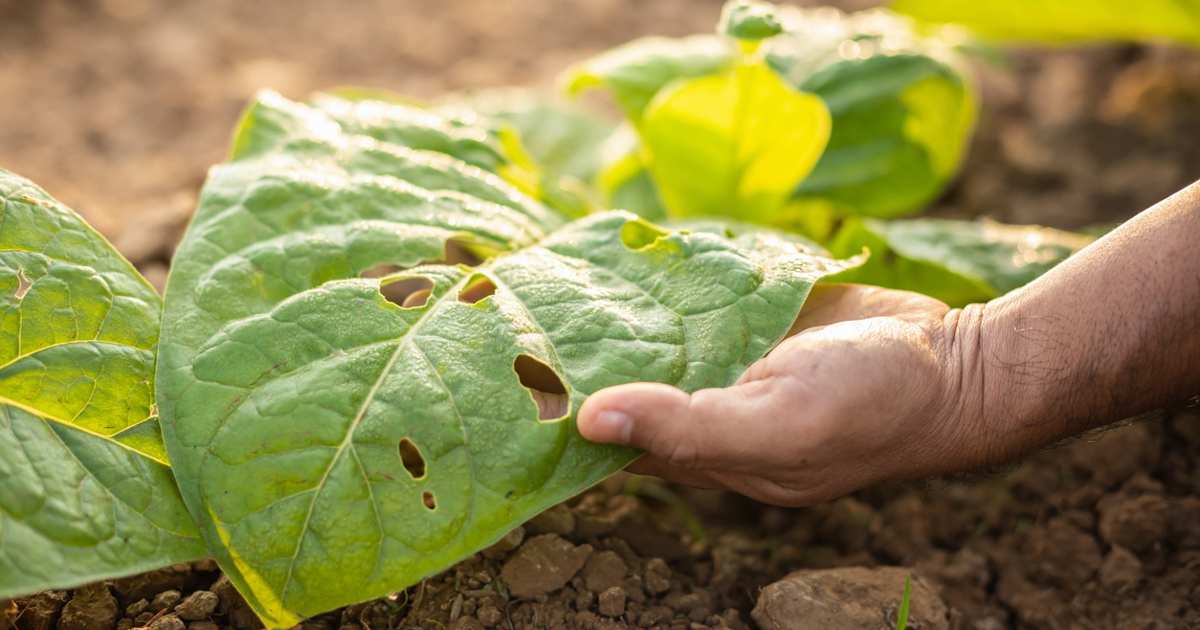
(902, 109)
(735, 144)
(1064, 21)
(958, 262)
(635, 72)
(84, 494)
(293, 393)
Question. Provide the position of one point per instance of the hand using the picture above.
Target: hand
(868, 388)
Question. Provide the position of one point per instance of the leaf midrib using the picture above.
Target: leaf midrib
(347, 440)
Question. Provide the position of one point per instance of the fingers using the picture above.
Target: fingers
(675, 428)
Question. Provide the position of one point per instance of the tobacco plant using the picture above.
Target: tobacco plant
(383, 317)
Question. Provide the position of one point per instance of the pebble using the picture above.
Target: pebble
(604, 570)
(91, 607)
(557, 520)
(166, 622)
(490, 616)
(510, 541)
(543, 565)
(197, 606)
(847, 599)
(1121, 570)
(657, 576)
(137, 608)
(40, 611)
(165, 600)
(1136, 523)
(612, 602)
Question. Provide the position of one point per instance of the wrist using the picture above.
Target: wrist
(964, 418)
(1013, 380)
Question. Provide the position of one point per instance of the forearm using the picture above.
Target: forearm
(1112, 332)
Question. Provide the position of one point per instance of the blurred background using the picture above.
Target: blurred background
(117, 107)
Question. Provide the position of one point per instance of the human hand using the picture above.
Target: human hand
(869, 387)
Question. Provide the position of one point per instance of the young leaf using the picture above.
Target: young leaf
(84, 492)
(958, 262)
(339, 439)
(734, 144)
(635, 72)
(902, 109)
(1059, 21)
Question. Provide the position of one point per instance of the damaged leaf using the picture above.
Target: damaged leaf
(335, 444)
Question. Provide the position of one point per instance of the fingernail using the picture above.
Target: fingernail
(617, 424)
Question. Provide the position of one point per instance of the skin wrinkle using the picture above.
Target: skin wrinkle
(1107, 334)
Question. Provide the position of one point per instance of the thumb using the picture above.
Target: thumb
(685, 430)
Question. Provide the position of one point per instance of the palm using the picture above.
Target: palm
(828, 384)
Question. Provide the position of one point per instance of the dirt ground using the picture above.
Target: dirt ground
(117, 107)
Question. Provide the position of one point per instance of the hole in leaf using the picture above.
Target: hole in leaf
(477, 289)
(428, 499)
(411, 457)
(639, 234)
(544, 385)
(380, 270)
(458, 253)
(23, 284)
(408, 292)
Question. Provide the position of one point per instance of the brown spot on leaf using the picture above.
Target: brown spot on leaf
(23, 284)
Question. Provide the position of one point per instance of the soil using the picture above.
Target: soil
(118, 106)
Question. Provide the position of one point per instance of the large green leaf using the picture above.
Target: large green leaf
(1064, 21)
(84, 493)
(336, 446)
(958, 262)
